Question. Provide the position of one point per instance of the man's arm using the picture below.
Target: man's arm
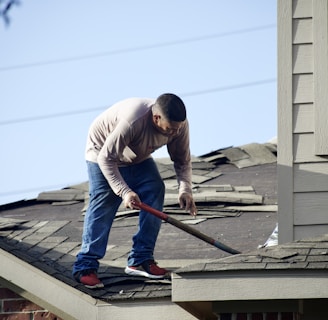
(113, 151)
(179, 151)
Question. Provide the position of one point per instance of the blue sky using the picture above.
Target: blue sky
(63, 62)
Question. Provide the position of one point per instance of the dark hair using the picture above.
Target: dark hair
(172, 107)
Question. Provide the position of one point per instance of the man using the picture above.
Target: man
(120, 168)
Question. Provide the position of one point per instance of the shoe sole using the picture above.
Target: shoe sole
(96, 286)
(134, 272)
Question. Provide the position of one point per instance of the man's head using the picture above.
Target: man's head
(169, 113)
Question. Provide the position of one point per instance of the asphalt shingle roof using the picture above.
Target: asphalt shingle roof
(235, 191)
(303, 254)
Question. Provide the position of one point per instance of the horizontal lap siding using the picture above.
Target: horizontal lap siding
(302, 170)
(303, 93)
(302, 9)
(302, 58)
(303, 113)
(303, 88)
(320, 38)
(311, 208)
(303, 118)
(303, 147)
(310, 177)
(305, 232)
(302, 31)
(310, 171)
(310, 197)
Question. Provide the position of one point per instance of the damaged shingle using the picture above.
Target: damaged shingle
(53, 250)
(10, 224)
(278, 253)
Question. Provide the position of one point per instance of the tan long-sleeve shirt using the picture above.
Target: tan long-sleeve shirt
(125, 134)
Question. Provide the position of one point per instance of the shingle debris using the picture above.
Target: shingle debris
(48, 246)
(9, 224)
(311, 253)
(204, 169)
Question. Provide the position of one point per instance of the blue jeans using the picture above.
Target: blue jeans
(144, 179)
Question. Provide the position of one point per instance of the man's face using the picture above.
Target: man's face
(168, 128)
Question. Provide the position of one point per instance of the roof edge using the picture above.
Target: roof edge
(259, 285)
(44, 290)
(62, 300)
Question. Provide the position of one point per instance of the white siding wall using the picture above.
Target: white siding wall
(302, 118)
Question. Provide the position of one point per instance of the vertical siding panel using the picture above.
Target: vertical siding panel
(285, 121)
(320, 34)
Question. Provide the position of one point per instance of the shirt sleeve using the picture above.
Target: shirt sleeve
(114, 150)
(179, 152)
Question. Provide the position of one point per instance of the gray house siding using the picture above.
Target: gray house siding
(302, 118)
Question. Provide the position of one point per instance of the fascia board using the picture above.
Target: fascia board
(145, 309)
(226, 286)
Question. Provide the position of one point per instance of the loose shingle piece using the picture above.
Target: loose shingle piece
(204, 172)
(245, 156)
(9, 224)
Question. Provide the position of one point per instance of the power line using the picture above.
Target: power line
(187, 94)
(135, 49)
(231, 87)
(50, 116)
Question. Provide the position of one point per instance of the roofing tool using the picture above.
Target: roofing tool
(184, 227)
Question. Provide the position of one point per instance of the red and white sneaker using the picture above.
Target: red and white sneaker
(148, 269)
(89, 279)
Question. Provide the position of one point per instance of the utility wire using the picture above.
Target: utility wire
(50, 116)
(187, 94)
(226, 88)
(135, 49)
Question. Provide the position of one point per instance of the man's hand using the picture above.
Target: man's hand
(187, 202)
(129, 198)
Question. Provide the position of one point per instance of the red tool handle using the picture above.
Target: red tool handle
(184, 227)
